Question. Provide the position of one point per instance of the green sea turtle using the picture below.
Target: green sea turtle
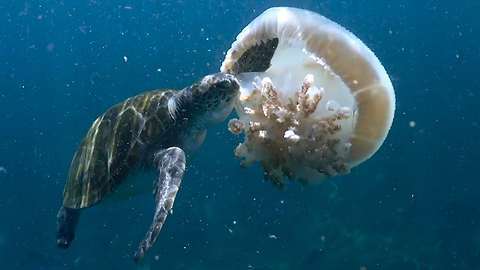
(152, 131)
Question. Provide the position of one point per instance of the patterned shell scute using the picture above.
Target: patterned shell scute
(115, 146)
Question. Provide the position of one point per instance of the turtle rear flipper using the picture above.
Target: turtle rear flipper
(67, 219)
(171, 165)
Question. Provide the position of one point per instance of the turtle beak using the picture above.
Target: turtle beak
(227, 83)
(224, 84)
(224, 80)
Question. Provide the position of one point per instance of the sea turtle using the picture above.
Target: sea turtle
(152, 131)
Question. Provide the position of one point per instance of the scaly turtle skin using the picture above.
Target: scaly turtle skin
(152, 131)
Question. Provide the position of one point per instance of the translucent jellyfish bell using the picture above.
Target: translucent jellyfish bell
(315, 101)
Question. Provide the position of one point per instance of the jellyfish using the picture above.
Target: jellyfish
(315, 100)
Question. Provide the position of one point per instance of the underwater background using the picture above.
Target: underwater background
(413, 205)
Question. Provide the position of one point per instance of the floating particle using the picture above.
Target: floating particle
(50, 47)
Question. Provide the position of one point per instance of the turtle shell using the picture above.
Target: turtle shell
(116, 145)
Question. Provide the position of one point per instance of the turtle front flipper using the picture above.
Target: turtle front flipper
(171, 165)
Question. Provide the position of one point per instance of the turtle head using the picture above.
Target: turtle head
(212, 98)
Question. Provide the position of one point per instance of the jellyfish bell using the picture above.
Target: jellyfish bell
(315, 101)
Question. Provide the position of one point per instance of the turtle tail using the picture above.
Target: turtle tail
(67, 220)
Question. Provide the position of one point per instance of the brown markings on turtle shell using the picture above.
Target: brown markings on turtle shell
(115, 145)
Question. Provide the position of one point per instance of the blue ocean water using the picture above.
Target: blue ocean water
(414, 205)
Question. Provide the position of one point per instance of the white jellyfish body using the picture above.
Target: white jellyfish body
(315, 101)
